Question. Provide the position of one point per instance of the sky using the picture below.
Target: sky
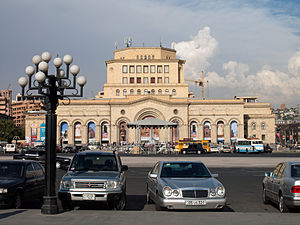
(245, 47)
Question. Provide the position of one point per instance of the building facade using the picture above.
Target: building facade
(6, 102)
(149, 82)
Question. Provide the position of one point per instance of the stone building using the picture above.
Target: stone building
(148, 82)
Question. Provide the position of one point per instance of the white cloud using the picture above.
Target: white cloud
(268, 84)
(196, 52)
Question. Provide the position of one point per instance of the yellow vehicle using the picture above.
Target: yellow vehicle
(180, 144)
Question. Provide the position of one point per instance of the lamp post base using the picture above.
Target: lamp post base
(49, 205)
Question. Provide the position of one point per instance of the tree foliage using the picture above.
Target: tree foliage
(8, 130)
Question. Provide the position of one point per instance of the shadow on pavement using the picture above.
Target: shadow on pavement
(5, 215)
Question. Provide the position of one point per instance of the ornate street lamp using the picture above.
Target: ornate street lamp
(49, 89)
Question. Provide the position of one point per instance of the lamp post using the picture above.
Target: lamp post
(49, 89)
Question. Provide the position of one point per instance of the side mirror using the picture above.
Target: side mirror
(153, 176)
(124, 168)
(215, 175)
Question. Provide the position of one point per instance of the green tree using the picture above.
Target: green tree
(8, 130)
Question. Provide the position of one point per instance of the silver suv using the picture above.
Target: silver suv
(94, 176)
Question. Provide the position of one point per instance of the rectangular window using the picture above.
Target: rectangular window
(124, 69)
(159, 80)
(166, 80)
(139, 80)
(149, 57)
(138, 69)
(124, 80)
(263, 137)
(152, 80)
(145, 80)
(159, 69)
(137, 57)
(131, 69)
(132, 80)
(145, 69)
(152, 56)
(152, 69)
(166, 68)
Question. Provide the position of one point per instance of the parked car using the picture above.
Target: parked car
(20, 181)
(267, 149)
(94, 176)
(184, 185)
(40, 156)
(194, 148)
(226, 149)
(215, 148)
(282, 186)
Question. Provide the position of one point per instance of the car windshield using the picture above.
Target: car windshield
(295, 169)
(94, 162)
(11, 169)
(184, 170)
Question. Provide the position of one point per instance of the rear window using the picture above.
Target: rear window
(94, 162)
(184, 170)
(11, 169)
(295, 170)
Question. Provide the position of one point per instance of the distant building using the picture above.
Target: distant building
(20, 107)
(282, 107)
(148, 82)
(6, 102)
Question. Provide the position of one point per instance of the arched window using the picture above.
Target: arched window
(253, 126)
(263, 126)
(207, 130)
(77, 133)
(173, 92)
(152, 92)
(138, 91)
(220, 131)
(64, 132)
(233, 130)
(145, 92)
(104, 132)
(91, 132)
(193, 130)
(122, 132)
(124, 92)
(175, 131)
(131, 92)
(117, 92)
(159, 91)
(167, 91)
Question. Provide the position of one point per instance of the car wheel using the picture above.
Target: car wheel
(282, 206)
(149, 200)
(58, 165)
(67, 205)
(121, 203)
(264, 197)
(18, 201)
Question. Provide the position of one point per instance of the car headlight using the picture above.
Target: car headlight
(66, 184)
(212, 193)
(3, 190)
(221, 191)
(112, 184)
(167, 191)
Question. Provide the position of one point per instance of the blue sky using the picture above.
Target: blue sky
(244, 47)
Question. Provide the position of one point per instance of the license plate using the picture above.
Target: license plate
(195, 202)
(88, 196)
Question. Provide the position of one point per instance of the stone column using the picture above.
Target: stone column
(84, 134)
(200, 134)
(226, 134)
(98, 132)
(213, 134)
(71, 134)
(240, 130)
